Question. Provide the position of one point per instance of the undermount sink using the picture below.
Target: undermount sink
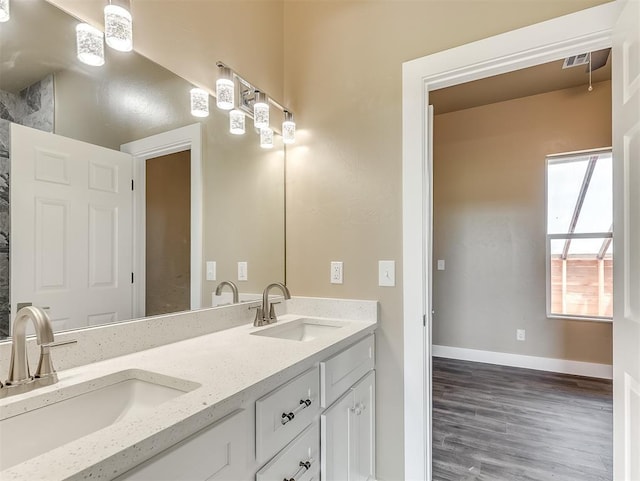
(82, 409)
(305, 329)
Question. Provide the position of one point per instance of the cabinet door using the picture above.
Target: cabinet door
(347, 440)
(218, 452)
(363, 417)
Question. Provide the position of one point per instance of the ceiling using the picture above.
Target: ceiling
(520, 83)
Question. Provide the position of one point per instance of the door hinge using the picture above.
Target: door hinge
(131, 184)
(424, 320)
(132, 278)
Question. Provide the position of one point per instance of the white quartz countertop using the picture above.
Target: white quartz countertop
(228, 365)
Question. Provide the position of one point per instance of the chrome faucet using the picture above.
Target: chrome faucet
(20, 379)
(232, 286)
(266, 314)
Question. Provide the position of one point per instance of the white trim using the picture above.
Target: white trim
(584, 31)
(564, 366)
(178, 140)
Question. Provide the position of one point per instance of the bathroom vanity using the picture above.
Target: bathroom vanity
(290, 400)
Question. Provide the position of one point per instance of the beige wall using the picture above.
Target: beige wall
(489, 222)
(343, 63)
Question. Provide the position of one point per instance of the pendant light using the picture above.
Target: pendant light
(266, 138)
(4, 11)
(260, 111)
(199, 103)
(288, 128)
(117, 28)
(224, 89)
(90, 45)
(236, 122)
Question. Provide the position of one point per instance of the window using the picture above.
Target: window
(580, 235)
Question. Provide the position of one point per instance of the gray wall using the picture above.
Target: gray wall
(489, 223)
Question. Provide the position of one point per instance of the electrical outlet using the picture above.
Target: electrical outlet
(336, 272)
(520, 334)
(243, 275)
(211, 270)
(440, 264)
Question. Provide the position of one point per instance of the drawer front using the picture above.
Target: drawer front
(219, 452)
(282, 414)
(300, 461)
(340, 372)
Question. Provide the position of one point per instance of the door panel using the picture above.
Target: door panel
(71, 235)
(626, 324)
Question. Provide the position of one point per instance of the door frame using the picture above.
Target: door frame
(586, 30)
(177, 140)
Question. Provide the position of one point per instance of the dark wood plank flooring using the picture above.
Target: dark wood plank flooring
(500, 423)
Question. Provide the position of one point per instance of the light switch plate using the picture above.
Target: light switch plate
(440, 264)
(211, 270)
(387, 273)
(336, 272)
(243, 275)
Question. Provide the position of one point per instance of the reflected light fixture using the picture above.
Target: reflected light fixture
(4, 11)
(266, 138)
(224, 89)
(236, 122)
(117, 28)
(288, 128)
(260, 111)
(199, 103)
(90, 45)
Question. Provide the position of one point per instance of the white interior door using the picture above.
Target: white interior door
(626, 322)
(71, 229)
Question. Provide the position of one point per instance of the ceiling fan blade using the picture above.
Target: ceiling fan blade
(599, 59)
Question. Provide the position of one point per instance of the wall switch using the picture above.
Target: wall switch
(211, 270)
(387, 273)
(243, 275)
(520, 334)
(336, 272)
(440, 264)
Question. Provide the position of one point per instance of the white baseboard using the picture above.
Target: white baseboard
(577, 368)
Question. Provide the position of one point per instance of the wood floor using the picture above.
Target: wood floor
(507, 424)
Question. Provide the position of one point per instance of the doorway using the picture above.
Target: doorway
(168, 233)
(588, 30)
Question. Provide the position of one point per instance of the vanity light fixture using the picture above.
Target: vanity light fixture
(288, 128)
(117, 27)
(236, 122)
(261, 110)
(199, 102)
(90, 45)
(4, 11)
(266, 138)
(225, 91)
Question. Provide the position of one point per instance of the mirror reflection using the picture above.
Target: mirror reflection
(73, 235)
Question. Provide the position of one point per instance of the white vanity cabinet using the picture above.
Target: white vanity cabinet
(347, 440)
(218, 452)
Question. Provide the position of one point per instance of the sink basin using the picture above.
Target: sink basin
(305, 329)
(78, 410)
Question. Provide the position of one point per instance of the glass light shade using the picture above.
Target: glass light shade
(260, 111)
(90, 45)
(4, 11)
(236, 122)
(117, 28)
(199, 103)
(225, 89)
(266, 138)
(288, 129)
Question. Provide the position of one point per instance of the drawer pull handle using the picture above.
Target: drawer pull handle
(304, 467)
(286, 417)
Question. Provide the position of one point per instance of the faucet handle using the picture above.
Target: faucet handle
(272, 312)
(45, 364)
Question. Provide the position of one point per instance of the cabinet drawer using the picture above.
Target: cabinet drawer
(300, 461)
(285, 412)
(340, 372)
(218, 452)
